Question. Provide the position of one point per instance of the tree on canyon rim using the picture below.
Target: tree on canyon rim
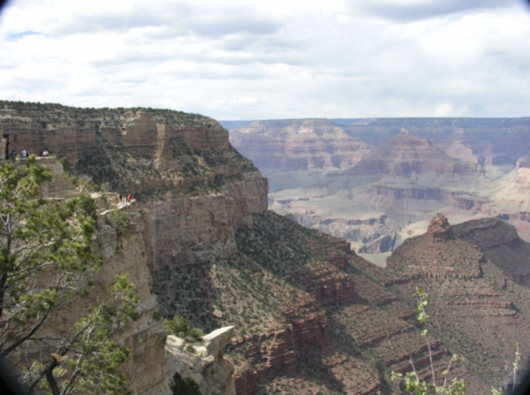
(47, 263)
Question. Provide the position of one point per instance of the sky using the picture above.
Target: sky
(255, 60)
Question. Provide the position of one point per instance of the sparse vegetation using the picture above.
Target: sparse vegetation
(179, 326)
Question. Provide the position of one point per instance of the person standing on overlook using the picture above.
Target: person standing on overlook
(24, 154)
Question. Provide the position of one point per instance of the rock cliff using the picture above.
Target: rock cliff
(501, 245)
(153, 154)
(410, 159)
(202, 361)
(123, 251)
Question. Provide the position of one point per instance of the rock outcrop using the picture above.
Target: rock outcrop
(411, 159)
(203, 361)
(124, 252)
(194, 230)
(471, 286)
(439, 229)
(153, 154)
(501, 245)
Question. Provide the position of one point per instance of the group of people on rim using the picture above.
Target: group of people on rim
(24, 154)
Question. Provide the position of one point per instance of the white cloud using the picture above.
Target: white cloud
(275, 59)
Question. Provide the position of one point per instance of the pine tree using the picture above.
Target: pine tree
(46, 262)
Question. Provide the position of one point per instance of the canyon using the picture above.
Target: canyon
(398, 175)
(291, 309)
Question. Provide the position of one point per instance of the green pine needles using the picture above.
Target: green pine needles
(47, 263)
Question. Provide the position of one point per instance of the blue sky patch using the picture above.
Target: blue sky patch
(18, 36)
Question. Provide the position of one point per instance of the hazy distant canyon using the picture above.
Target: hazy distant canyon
(376, 182)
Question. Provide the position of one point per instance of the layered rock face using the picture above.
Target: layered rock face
(197, 190)
(309, 315)
(181, 166)
(376, 324)
(154, 154)
(477, 310)
(146, 338)
(507, 198)
(492, 141)
(315, 145)
(501, 245)
(196, 230)
(411, 159)
(405, 180)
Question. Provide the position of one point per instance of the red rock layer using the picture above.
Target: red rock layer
(439, 228)
(501, 245)
(306, 329)
(326, 283)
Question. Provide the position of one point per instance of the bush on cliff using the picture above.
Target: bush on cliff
(46, 262)
(179, 326)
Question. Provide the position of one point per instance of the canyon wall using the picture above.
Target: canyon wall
(403, 172)
(146, 337)
(286, 147)
(472, 272)
(193, 189)
(181, 167)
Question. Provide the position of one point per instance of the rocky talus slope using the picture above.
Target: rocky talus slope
(312, 316)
